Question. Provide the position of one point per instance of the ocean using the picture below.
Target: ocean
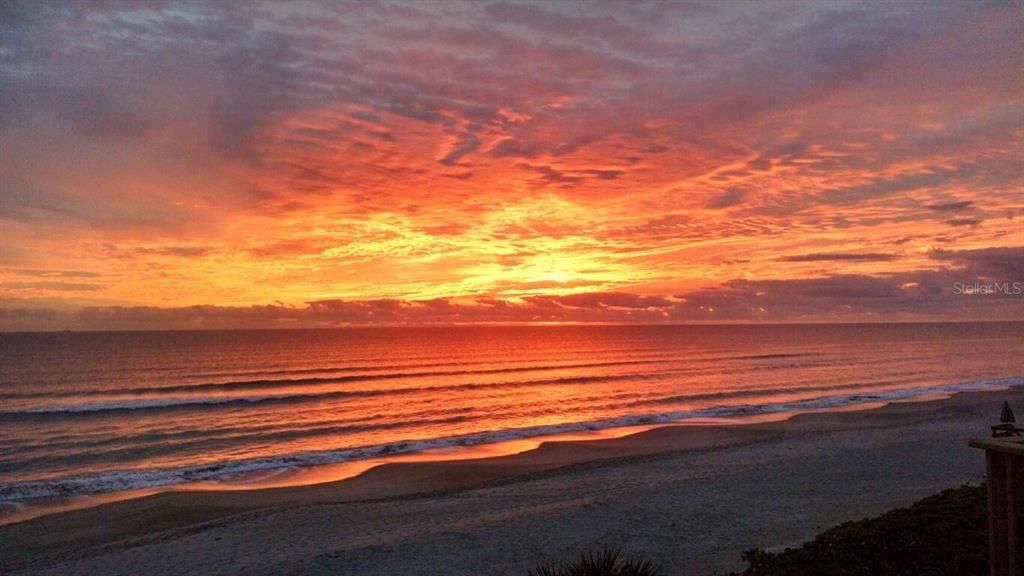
(100, 412)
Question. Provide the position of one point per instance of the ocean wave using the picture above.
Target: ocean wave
(271, 383)
(640, 359)
(122, 405)
(369, 373)
(136, 479)
(742, 393)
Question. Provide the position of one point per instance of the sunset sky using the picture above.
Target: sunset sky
(174, 165)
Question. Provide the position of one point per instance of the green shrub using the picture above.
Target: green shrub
(941, 535)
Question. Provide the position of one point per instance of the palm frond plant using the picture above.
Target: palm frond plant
(604, 563)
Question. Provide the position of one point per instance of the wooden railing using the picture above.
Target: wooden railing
(1004, 457)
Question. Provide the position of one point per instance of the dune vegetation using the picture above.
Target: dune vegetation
(942, 535)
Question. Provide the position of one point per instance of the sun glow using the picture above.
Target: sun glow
(558, 276)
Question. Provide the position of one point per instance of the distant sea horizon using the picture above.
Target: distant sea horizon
(511, 324)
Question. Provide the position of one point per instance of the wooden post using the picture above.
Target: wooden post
(997, 533)
(1003, 463)
(1010, 488)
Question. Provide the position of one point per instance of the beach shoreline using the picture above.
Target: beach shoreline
(78, 539)
(311, 474)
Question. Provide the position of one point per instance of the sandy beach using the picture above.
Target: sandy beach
(689, 497)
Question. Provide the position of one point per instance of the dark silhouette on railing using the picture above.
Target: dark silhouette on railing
(1006, 426)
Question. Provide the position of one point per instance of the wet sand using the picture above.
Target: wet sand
(689, 497)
